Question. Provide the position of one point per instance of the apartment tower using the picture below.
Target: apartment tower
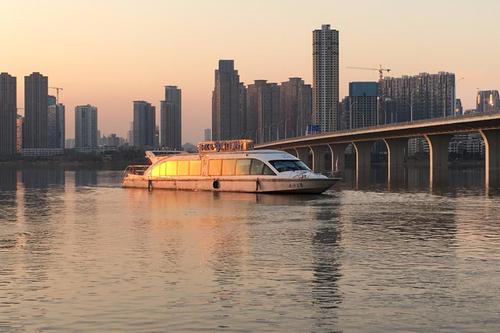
(326, 78)
(144, 126)
(226, 102)
(171, 119)
(86, 133)
(296, 108)
(35, 111)
(8, 114)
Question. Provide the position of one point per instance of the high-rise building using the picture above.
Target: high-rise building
(130, 134)
(171, 119)
(207, 134)
(51, 100)
(69, 143)
(263, 111)
(417, 97)
(243, 109)
(487, 101)
(345, 114)
(226, 102)
(144, 124)
(55, 124)
(272, 124)
(363, 104)
(296, 108)
(157, 137)
(8, 114)
(19, 133)
(459, 109)
(326, 78)
(86, 133)
(251, 110)
(35, 111)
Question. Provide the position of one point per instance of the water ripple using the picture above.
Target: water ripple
(80, 254)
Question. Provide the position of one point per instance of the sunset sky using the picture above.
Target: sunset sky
(109, 53)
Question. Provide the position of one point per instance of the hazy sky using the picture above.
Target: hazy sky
(111, 52)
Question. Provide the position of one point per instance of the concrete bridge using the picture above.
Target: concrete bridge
(437, 132)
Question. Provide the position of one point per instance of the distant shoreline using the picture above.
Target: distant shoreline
(101, 165)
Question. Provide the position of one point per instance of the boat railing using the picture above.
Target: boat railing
(138, 170)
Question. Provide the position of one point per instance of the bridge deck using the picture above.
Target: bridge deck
(450, 125)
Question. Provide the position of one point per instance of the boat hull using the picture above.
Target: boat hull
(248, 185)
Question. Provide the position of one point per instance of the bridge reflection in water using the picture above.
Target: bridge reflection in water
(326, 152)
(415, 178)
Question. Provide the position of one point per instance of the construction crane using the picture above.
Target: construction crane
(380, 70)
(57, 93)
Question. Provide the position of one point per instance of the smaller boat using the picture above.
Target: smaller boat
(227, 166)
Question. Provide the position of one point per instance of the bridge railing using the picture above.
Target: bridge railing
(362, 129)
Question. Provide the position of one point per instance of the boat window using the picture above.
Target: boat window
(194, 168)
(214, 167)
(183, 168)
(228, 167)
(156, 171)
(162, 169)
(259, 168)
(267, 171)
(243, 167)
(171, 168)
(159, 170)
(289, 165)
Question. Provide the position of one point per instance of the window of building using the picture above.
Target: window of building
(195, 168)
(228, 167)
(243, 167)
(214, 167)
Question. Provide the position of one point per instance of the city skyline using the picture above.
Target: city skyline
(274, 52)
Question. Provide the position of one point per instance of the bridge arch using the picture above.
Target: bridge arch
(397, 153)
(437, 134)
(491, 157)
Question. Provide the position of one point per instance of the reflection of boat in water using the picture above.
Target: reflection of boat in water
(228, 166)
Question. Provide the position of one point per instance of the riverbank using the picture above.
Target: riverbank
(71, 165)
(73, 160)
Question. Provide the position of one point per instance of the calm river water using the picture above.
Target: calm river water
(80, 254)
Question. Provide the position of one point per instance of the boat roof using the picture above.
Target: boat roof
(265, 155)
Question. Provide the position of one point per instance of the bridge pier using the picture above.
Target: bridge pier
(303, 155)
(396, 153)
(438, 158)
(337, 151)
(491, 157)
(363, 161)
(319, 155)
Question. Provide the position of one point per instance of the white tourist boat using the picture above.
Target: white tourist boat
(227, 166)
